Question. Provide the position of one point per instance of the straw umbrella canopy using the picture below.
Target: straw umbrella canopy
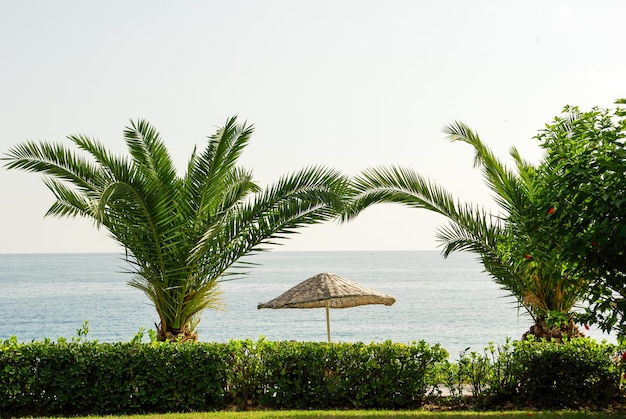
(329, 291)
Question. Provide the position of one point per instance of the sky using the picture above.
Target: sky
(345, 84)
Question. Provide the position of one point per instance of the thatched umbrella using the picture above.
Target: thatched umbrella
(330, 291)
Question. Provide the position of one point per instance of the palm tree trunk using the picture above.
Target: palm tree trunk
(541, 330)
(177, 335)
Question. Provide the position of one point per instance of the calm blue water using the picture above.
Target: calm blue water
(447, 301)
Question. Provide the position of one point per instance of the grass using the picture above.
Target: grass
(371, 414)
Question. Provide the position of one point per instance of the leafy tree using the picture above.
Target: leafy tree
(583, 182)
(181, 233)
(509, 245)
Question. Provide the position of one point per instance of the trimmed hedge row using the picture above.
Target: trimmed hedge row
(79, 378)
(575, 374)
(71, 378)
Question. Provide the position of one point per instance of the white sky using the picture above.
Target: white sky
(347, 84)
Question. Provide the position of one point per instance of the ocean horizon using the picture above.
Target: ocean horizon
(450, 301)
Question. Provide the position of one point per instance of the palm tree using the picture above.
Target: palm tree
(181, 234)
(508, 244)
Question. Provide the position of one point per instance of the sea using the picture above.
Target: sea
(447, 301)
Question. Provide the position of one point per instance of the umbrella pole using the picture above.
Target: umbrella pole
(328, 320)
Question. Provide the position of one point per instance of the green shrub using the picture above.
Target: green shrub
(71, 378)
(393, 375)
(245, 373)
(345, 375)
(298, 375)
(580, 372)
(81, 377)
(574, 374)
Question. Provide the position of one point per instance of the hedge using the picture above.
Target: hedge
(79, 378)
(579, 373)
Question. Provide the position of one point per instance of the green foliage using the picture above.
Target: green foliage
(480, 372)
(309, 375)
(303, 375)
(581, 372)
(245, 374)
(70, 378)
(81, 334)
(538, 373)
(582, 203)
(314, 375)
(181, 233)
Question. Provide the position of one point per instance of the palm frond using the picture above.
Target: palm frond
(55, 160)
(305, 197)
(147, 149)
(69, 203)
(501, 180)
